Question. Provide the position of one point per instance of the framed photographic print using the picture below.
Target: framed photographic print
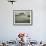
(22, 17)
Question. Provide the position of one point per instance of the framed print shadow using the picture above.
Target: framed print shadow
(22, 17)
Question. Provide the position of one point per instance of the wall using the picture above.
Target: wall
(37, 31)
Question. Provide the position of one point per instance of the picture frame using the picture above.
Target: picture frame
(22, 17)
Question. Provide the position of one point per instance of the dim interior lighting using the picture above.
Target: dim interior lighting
(12, 1)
